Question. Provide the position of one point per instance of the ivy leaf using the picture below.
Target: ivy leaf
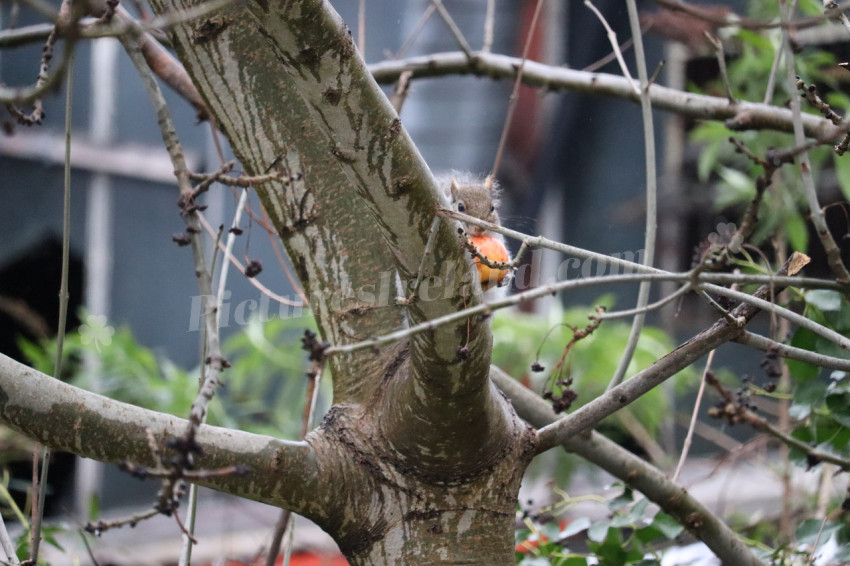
(801, 371)
(824, 299)
(574, 527)
(812, 530)
(621, 500)
(667, 525)
(839, 405)
(808, 394)
(598, 531)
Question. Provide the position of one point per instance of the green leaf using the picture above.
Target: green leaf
(575, 527)
(812, 530)
(807, 396)
(649, 534)
(797, 231)
(842, 170)
(824, 299)
(839, 405)
(667, 525)
(621, 500)
(632, 517)
(598, 531)
(801, 371)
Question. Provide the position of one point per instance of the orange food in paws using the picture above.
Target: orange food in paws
(494, 250)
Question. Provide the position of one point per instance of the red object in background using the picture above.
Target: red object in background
(308, 559)
(299, 559)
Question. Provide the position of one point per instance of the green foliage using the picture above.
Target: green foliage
(821, 407)
(519, 339)
(263, 389)
(733, 175)
(631, 533)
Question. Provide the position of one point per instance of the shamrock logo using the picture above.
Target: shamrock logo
(726, 237)
(95, 331)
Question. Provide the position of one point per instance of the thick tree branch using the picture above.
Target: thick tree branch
(67, 418)
(635, 472)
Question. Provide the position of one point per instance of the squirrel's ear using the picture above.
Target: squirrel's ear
(454, 189)
(488, 183)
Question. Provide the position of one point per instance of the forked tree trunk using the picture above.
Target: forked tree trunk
(420, 460)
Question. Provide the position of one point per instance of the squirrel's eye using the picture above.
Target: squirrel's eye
(461, 207)
(492, 208)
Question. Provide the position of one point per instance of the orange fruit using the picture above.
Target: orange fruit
(494, 250)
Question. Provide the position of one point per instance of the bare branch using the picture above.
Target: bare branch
(722, 331)
(740, 116)
(612, 39)
(791, 352)
(461, 40)
(651, 221)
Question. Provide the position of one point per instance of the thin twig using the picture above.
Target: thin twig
(774, 70)
(228, 249)
(252, 280)
(414, 33)
(280, 527)
(612, 39)
(811, 95)
(791, 352)
(514, 99)
(487, 308)
(400, 92)
(489, 18)
(63, 306)
(602, 61)
(651, 223)
(816, 542)
(833, 11)
(68, 19)
(831, 335)
(458, 35)
(686, 445)
(721, 65)
(103, 526)
(630, 266)
(833, 252)
(191, 514)
(683, 290)
(172, 487)
(6, 544)
(361, 27)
